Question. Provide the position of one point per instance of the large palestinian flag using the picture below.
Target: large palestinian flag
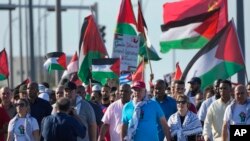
(146, 50)
(219, 59)
(91, 46)
(189, 33)
(189, 8)
(4, 67)
(55, 61)
(103, 69)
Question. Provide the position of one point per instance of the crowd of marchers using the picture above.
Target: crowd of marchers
(125, 112)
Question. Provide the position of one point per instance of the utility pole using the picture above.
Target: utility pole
(240, 30)
(21, 41)
(11, 46)
(32, 55)
(58, 34)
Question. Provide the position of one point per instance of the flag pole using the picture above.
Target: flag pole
(8, 81)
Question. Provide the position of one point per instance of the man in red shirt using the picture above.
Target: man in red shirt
(4, 120)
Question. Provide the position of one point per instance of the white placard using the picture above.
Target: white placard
(126, 47)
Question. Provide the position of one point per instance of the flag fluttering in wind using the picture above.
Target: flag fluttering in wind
(125, 78)
(126, 23)
(106, 68)
(4, 67)
(91, 46)
(25, 82)
(178, 72)
(139, 73)
(189, 33)
(146, 49)
(72, 66)
(175, 11)
(55, 61)
(219, 59)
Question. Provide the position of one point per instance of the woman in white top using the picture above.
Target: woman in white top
(23, 127)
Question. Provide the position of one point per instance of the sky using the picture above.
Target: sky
(107, 15)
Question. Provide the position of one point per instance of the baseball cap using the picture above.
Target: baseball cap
(70, 85)
(195, 80)
(96, 88)
(138, 84)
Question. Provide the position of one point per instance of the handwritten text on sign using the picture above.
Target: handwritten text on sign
(126, 47)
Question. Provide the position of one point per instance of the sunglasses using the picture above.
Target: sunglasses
(20, 105)
(181, 102)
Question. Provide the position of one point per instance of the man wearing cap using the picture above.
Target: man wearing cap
(195, 88)
(96, 95)
(23, 91)
(42, 92)
(113, 115)
(83, 109)
(167, 103)
(141, 116)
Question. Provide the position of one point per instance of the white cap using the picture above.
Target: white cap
(96, 87)
(44, 96)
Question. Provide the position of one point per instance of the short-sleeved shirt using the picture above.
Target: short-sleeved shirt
(239, 114)
(148, 121)
(40, 109)
(62, 127)
(4, 120)
(169, 107)
(87, 117)
(113, 116)
(18, 127)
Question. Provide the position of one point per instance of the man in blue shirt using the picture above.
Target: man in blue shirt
(62, 126)
(141, 116)
(167, 103)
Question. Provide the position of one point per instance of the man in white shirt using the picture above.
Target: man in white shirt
(113, 115)
(237, 112)
(214, 119)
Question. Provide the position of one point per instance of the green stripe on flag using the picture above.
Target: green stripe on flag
(220, 71)
(103, 76)
(84, 68)
(188, 43)
(2, 77)
(55, 67)
(124, 28)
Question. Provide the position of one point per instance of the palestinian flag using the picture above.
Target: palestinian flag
(189, 33)
(146, 50)
(102, 69)
(175, 11)
(139, 73)
(55, 61)
(91, 46)
(178, 72)
(126, 23)
(219, 59)
(4, 68)
(72, 66)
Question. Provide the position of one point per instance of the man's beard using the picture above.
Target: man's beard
(105, 98)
